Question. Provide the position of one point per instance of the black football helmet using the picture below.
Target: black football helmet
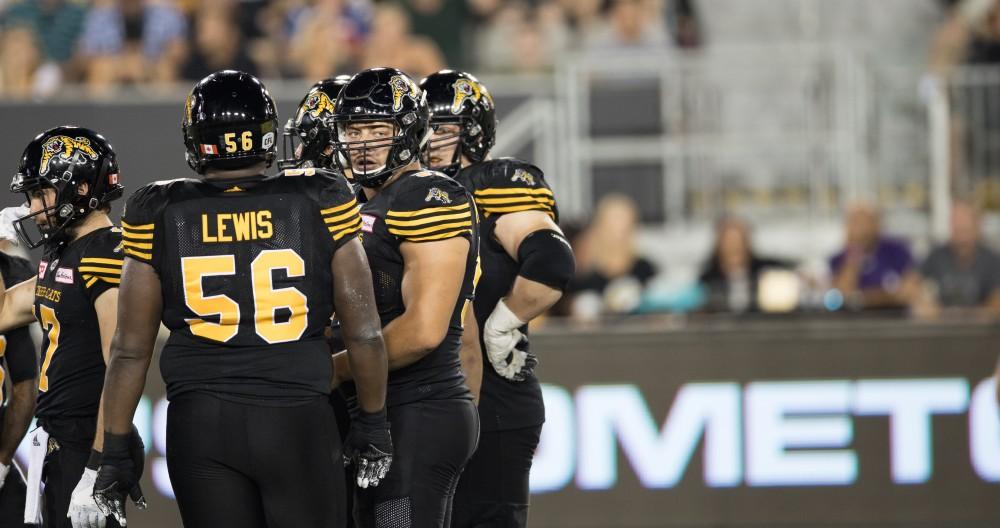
(381, 95)
(230, 123)
(63, 159)
(458, 98)
(310, 132)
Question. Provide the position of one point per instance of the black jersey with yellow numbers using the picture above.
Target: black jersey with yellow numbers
(70, 280)
(500, 187)
(245, 269)
(420, 206)
(17, 351)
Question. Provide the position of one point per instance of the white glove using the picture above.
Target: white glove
(83, 511)
(4, 469)
(7, 217)
(501, 337)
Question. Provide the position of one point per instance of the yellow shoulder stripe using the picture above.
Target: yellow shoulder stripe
(95, 269)
(407, 233)
(139, 236)
(513, 200)
(338, 208)
(442, 236)
(94, 260)
(138, 254)
(341, 217)
(91, 279)
(429, 220)
(137, 245)
(143, 227)
(518, 208)
(431, 210)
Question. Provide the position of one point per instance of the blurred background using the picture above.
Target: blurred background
(785, 215)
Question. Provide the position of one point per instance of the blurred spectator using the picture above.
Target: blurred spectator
(40, 37)
(524, 39)
(441, 21)
(732, 274)
(872, 271)
(132, 41)
(963, 275)
(611, 275)
(684, 24)
(391, 44)
(218, 44)
(322, 40)
(632, 24)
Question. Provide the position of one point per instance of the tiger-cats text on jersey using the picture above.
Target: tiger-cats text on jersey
(245, 269)
(420, 206)
(500, 187)
(70, 280)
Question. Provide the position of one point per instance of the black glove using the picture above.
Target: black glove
(369, 447)
(122, 464)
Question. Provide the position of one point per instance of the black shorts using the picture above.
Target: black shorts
(70, 441)
(493, 491)
(255, 466)
(433, 440)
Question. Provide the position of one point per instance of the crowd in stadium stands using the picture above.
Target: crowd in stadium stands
(152, 43)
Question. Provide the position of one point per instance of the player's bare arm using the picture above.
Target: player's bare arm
(16, 303)
(432, 280)
(361, 329)
(471, 353)
(528, 298)
(106, 306)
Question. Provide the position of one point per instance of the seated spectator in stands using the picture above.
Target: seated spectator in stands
(132, 41)
(326, 38)
(961, 277)
(218, 43)
(872, 271)
(630, 27)
(392, 44)
(611, 275)
(732, 273)
(46, 33)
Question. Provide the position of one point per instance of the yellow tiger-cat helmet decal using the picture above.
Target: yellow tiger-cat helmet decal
(318, 104)
(66, 148)
(465, 90)
(403, 86)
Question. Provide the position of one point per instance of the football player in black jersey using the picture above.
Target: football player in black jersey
(419, 231)
(527, 264)
(246, 271)
(17, 362)
(308, 136)
(70, 177)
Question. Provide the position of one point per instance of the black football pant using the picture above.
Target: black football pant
(70, 441)
(433, 440)
(493, 490)
(12, 500)
(255, 466)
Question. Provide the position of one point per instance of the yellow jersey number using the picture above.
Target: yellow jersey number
(267, 299)
(47, 318)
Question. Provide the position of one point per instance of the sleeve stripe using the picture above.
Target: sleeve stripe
(341, 217)
(339, 208)
(95, 269)
(341, 234)
(138, 254)
(345, 225)
(442, 236)
(518, 208)
(500, 200)
(410, 215)
(512, 190)
(138, 236)
(406, 233)
(91, 279)
(429, 220)
(137, 245)
(143, 227)
(94, 260)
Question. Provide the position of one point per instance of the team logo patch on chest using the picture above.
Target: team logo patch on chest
(437, 194)
(64, 275)
(367, 223)
(523, 176)
(42, 266)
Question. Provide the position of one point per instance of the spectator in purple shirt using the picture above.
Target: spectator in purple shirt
(872, 271)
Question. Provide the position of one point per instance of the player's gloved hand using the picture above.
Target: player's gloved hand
(121, 468)
(505, 344)
(83, 511)
(7, 217)
(369, 447)
(4, 469)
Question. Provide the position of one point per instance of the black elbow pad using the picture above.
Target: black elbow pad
(546, 257)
